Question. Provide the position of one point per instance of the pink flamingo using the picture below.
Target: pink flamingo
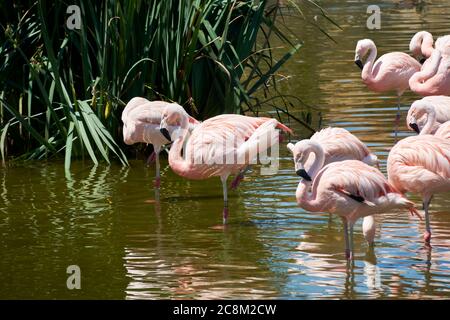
(391, 72)
(338, 144)
(426, 115)
(443, 131)
(141, 120)
(434, 78)
(218, 147)
(421, 164)
(349, 188)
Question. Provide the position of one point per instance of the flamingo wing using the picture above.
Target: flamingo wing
(395, 64)
(263, 138)
(354, 179)
(132, 105)
(339, 144)
(221, 140)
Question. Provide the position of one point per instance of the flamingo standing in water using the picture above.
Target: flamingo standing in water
(427, 114)
(434, 77)
(337, 144)
(141, 120)
(218, 147)
(421, 164)
(391, 72)
(349, 188)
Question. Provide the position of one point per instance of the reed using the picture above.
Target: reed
(62, 91)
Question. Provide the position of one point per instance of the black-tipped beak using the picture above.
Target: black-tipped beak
(359, 64)
(302, 173)
(165, 133)
(422, 61)
(415, 127)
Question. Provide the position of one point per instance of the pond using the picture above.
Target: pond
(105, 219)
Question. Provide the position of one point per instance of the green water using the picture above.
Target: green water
(106, 221)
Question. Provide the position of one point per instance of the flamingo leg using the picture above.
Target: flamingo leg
(158, 174)
(397, 118)
(347, 242)
(225, 199)
(427, 233)
(151, 158)
(351, 240)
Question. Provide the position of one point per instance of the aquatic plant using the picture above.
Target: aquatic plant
(62, 90)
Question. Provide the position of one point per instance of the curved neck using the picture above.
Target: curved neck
(306, 199)
(427, 44)
(368, 65)
(176, 161)
(431, 67)
(319, 159)
(431, 121)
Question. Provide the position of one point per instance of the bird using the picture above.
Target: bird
(443, 131)
(391, 72)
(338, 144)
(141, 120)
(434, 77)
(427, 114)
(421, 164)
(218, 147)
(349, 188)
(421, 46)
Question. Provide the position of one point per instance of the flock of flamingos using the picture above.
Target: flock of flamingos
(337, 170)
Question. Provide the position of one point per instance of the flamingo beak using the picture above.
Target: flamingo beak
(415, 127)
(422, 61)
(300, 171)
(165, 133)
(358, 62)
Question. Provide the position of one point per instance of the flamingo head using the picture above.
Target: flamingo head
(175, 117)
(301, 151)
(418, 115)
(362, 49)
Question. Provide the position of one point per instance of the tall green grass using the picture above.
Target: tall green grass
(62, 91)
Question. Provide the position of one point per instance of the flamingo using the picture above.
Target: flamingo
(218, 147)
(141, 120)
(421, 164)
(427, 114)
(349, 188)
(391, 72)
(338, 144)
(434, 77)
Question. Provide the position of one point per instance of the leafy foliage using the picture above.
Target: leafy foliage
(62, 91)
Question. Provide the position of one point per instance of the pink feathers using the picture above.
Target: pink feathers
(421, 164)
